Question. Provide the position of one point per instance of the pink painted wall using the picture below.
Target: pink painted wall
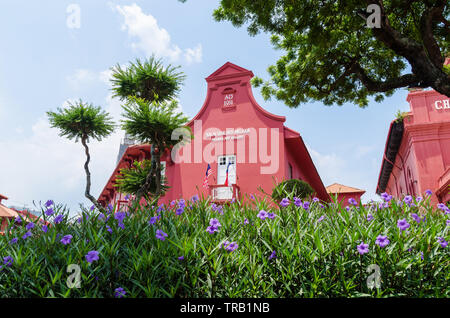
(424, 154)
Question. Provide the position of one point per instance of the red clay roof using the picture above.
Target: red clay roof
(340, 188)
(7, 212)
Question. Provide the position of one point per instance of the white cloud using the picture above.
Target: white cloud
(151, 38)
(194, 55)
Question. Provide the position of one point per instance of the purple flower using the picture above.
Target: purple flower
(369, 217)
(30, 226)
(211, 229)
(91, 256)
(108, 228)
(92, 208)
(182, 203)
(252, 197)
(386, 197)
(407, 199)
(416, 217)
(119, 292)
(48, 203)
(26, 235)
(44, 228)
(232, 246)
(161, 235)
(442, 242)
(363, 248)
(195, 198)
(121, 225)
(316, 199)
(215, 223)
(127, 197)
(225, 244)
(321, 206)
(352, 202)
(306, 205)
(262, 214)
(13, 241)
(152, 220)
(110, 208)
(285, 202)
(18, 219)
(160, 208)
(273, 255)
(58, 219)
(8, 261)
(402, 224)
(298, 202)
(120, 216)
(179, 211)
(419, 199)
(66, 239)
(49, 212)
(421, 256)
(181, 258)
(321, 218)
(447, 222)
(271, 216)
(382, 241)
(347, 208)
(428, 192)
(247, 222)
(220, 209)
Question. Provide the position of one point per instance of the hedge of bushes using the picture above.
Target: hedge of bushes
(194, 248)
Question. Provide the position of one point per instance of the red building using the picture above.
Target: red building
(343, 193)
(238, 138)
(417, 152)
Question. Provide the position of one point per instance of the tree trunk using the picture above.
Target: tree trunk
(87, 192)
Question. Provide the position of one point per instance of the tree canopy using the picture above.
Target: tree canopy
(148, 80)
(81, 120)
(333, 56)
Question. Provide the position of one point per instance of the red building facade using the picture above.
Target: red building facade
(417, 151)
(233, 133)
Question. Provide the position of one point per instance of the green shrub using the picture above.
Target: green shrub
(291, 253)
(292, 188)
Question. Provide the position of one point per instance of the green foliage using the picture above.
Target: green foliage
(313, 258)
(81, 120)
(148, 80)
(332, 56)
(152, 122)
(130, 180)
(292, 188)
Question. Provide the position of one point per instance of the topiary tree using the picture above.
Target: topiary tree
(146, 86)
(292, 188)
(154, 123)
(130, 180)
(83, 121)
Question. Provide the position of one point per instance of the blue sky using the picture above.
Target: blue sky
(44, 63)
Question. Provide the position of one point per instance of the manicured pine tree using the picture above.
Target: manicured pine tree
(83, 121)
(149, 89)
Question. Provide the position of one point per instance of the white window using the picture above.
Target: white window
(225, 162)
